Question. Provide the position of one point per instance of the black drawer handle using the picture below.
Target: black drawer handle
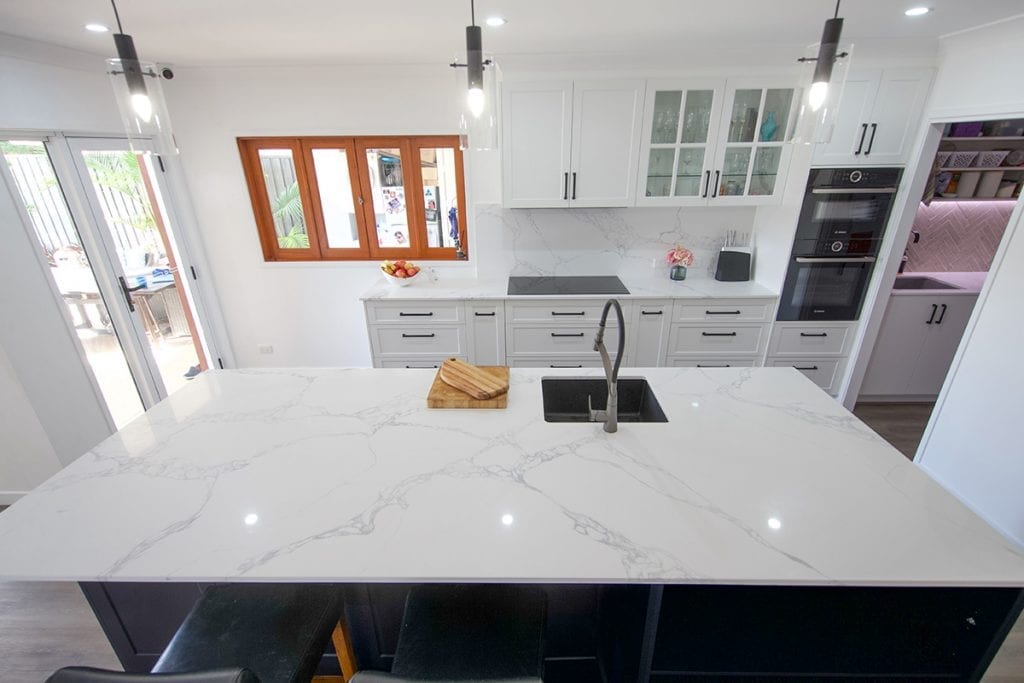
(564, 366)
(403, 314)
(568, 313)
(567, 334)
(420, 367)
(651, 312)
(721, 312)
(416, 336)
(935, 308)
(714, 366)
(484, 315)
(814, 334)
(718, 334)
(797, 367)
(941, 315)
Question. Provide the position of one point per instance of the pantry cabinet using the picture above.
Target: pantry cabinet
(879, 115)
(570, 143)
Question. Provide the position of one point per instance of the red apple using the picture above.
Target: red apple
(401, 273)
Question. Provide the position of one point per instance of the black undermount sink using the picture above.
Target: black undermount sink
(565, 399)
(921, 282)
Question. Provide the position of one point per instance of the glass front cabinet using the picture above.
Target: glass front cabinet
(715, 142)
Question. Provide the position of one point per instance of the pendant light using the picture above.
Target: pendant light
(477, 119)
(139, 95)
(820, 101)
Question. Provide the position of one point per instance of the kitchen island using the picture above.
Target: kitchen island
(758, 481)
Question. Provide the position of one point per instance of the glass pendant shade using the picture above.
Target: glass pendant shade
(822, 91)
(140, 99)
(478, 108)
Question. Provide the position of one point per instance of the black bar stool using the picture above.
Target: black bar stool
(468, 633)
(241, 633)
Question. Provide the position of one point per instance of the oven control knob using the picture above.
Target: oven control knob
(837, 246)
(856, 176)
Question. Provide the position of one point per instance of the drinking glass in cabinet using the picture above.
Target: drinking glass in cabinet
(689, 172)
(665, 123)
(743, 122)
(734, 171)
(659, 172)
(766, 169)
(697, 116)
(778, 103)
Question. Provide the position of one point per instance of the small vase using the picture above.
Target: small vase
(677, 273)
(768, 127)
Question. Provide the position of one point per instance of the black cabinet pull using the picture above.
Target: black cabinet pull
(568, 313)
(871, 142)
(651, 312)
(403, 314)
(718, 334)
(565, 186)
(721, 312)
(484, 315)
(941, 315)
(127, 291)
(567, 334)
(417, 336)
(863, 132)
(814, 334)
(718, 177)
(714, 366)
(574, 184)
(420, 367)
(564, 366)
(935, 309)
(797, 367)
(707, 184)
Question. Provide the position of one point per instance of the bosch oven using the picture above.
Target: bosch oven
(841, 226)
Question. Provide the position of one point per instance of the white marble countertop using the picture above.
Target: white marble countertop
(655, 287)
(967, 283)
(345, 475)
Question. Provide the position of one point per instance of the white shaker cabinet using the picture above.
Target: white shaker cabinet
(570, 143)
(648, 340)
(879, 115)
(486, 328)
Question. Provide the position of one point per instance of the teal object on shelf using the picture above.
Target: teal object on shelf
(768, 127)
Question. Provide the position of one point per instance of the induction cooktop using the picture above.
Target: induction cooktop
(565, 284)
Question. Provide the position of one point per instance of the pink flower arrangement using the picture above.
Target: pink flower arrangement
(680, 256)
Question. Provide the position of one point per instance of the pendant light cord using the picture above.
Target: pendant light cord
(472, 11)
(834, 17)
(117, 16)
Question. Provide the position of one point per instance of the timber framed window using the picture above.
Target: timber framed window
(357, 198)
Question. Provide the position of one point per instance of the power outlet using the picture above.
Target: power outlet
(265, 349)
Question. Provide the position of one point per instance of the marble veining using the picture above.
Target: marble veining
(345, 475)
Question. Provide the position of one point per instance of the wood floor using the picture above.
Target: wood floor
(44, 626)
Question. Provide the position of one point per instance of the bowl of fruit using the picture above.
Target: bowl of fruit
(400, 272)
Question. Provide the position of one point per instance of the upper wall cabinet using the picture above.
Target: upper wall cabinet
(570, 143)
(714, 142)
(879, 114)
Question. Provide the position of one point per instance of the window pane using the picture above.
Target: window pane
(335, 185)
(698, 115)
(689, 172)
(743, 121)
(734, 171)
(666, 116)
(659, 172)
(440, 196)
(386, 186)
(777, 104)
(285, 200)
(766, 170)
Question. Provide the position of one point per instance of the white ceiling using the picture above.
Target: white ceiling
(241, 32)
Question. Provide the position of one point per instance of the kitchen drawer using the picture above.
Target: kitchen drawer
(419, 340)
(725, 340)
(560, 311)
(723, 311)
(539, 362)
(712, 362)
(811, 340)
(825, 372)
(568, 340)
(416, 362)
(407, 312)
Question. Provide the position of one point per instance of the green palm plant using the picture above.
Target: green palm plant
(289, 219)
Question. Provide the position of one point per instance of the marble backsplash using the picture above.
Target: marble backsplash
(598, 241)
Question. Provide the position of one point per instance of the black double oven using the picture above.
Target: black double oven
(842, 222)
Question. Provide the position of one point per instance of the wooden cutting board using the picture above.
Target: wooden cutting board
(444, 396)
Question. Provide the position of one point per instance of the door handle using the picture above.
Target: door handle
(718, 176)
(850, 259)
(707, 184)
(718, 334)
(941, 315)
(714, 366)
(863, 132)
(813, 367)
(574, 184)
(567, 334)
(854, 190)
(568, 313)
(814, 334)
(417, 336)
(934, 309)
(552, 365)
(485, 315)
(871, 142)
(565, 186)
(721, 312)
(652, 312)
(127, 291)
(403, 314)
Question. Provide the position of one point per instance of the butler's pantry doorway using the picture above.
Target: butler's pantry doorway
(104, 223)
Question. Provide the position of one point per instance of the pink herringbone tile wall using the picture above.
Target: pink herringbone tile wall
(958, 236)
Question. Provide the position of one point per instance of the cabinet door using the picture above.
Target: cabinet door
(896, 115)
(752, 155)
(940, 344)
(850, 130)
(680, 127)
(536, 130)
(650, 340)
(486, 323)
(605, 138)
(900, 340)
